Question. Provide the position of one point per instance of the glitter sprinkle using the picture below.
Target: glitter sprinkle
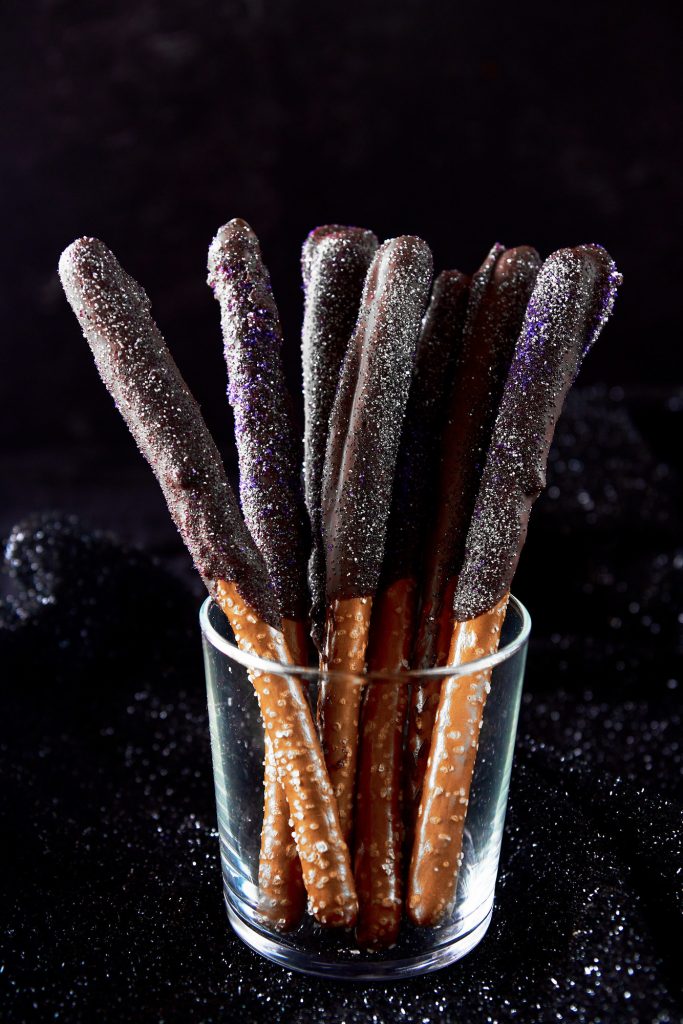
(163, 417)
(571, 301)
(334, 262)
(368, 415)
(498, 298)
(267, 446)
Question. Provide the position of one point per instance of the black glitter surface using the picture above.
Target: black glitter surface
(113, 905)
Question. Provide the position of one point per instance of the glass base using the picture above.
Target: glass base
(338, 966)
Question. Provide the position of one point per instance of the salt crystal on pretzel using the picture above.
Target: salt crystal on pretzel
(272, 501)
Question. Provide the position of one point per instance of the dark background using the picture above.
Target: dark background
(151, 123)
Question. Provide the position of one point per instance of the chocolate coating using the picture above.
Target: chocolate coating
(499, 295)
(437, 354)
(267, 445)
(571, 302)
(164, 419)
(334, 263)
(480, 282)
(367, 418)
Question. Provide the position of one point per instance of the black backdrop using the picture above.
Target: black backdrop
(151, 123)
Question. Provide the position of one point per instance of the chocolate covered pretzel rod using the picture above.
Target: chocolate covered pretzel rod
(163, 417)
(272, 501)
(438, 352)
(334, 263)
(358, 478)
(134, 363)
(499, 294)
(571, 301)
(267, 445)
(462, 407)
(378, 825)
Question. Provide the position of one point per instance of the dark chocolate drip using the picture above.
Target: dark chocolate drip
(367, 417)
(499, 295)
(164, 419)
(267, 445)
(334, 262)
(437, 355)
(571, 301)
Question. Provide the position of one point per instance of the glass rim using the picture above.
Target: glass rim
(264, 665)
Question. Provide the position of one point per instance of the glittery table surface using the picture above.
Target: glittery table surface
(113, 895)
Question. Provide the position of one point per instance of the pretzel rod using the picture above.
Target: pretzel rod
(434, 631)
(436, 615)
(437, 850)
(281, 892)
(356, 528)
(164, 419)
(347, 629)
(378, 825)
(498, 297)
(282, 896)
(438, 351)
(271, 496)
(467, 405)
(300, 768)
(571, 301)
(379, 813)
(267, 446)
(358, 476)
(334, 263)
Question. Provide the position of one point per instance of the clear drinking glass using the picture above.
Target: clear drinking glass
(237, 746)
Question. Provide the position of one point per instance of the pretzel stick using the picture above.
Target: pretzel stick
(571, 301)
(282, 896)
(441, 819)
(498, 296)
(267, 446)
(347, 629)
(334, 263)
(379, 811)
(163, 417)
(300, 769)
(378, 825)
(358, 476)
(281, 892)
(466, 415)
(272, 500)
